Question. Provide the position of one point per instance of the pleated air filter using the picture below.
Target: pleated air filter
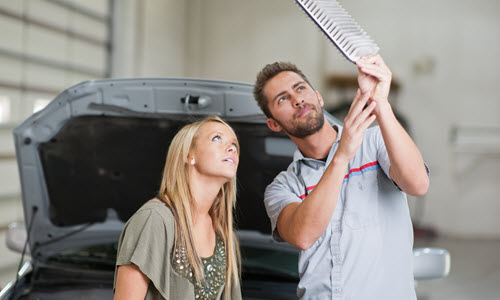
(340, 28)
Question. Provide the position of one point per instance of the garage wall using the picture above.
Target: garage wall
(149, 38)
(233, 40)
(48, 45)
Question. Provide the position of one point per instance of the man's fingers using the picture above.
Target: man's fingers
(355, 127)
(376, 71)
(356, 100)
(353, 118)
(364, 115)
(357, 107)
(372, 59)
(367, 122)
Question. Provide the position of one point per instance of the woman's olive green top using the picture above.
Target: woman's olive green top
(147, 241)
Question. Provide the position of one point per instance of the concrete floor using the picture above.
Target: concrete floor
(474, 272)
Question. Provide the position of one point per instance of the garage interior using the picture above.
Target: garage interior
(443, 56)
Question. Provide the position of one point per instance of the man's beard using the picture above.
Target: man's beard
(306, 128)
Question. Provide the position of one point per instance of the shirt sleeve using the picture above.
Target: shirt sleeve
(383, 156)
(144, 243)
(276, 197)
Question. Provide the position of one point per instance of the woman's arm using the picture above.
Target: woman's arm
(131, 283)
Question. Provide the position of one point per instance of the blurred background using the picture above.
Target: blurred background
(446, 91)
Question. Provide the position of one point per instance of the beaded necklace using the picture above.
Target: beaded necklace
(214, 268)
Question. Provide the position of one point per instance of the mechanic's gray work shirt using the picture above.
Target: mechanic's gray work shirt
(366, 250)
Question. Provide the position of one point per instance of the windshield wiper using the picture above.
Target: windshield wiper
(83, 259)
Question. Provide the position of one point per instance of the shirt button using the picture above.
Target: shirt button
(337, 228)
(337, 290)
(337, 259)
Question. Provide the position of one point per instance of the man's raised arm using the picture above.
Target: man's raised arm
(407, 165)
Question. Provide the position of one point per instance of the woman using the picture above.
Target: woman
(181, 245)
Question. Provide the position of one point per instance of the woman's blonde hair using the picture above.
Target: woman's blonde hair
(175, 192)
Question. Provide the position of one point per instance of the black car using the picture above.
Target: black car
(96, 153)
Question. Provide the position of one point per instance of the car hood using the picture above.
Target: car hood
(96, 152)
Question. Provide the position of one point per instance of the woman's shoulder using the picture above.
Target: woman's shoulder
(156, 209)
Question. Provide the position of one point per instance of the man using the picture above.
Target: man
(342, 201)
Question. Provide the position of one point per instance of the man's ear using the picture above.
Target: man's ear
(273, 125)
(320, 99)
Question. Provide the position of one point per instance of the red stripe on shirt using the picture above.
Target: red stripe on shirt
(347, 176)
(307, 190)
(361, 168)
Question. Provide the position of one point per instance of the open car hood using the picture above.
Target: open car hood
(96, 152)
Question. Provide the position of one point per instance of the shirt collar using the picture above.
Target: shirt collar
(297, 155)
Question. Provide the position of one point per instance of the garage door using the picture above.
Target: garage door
(47, 46)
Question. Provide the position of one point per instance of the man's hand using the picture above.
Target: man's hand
(375, 78)
(355, 124)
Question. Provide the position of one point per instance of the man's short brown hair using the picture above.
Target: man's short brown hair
(266, 74)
